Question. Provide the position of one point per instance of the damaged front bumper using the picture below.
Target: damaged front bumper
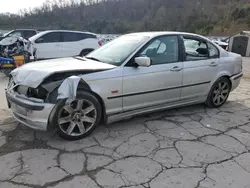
(33, 113)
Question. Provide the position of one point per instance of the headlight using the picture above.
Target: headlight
(39, 93)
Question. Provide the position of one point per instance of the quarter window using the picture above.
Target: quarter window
(213, 51)
(195, 49)
(86, 35)
(162, 50)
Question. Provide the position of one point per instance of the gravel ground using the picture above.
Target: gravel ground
(191, 147)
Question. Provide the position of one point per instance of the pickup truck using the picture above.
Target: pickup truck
(25, 33)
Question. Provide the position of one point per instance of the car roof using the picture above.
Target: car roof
(160, 33)
(41, 33)
(72, 31)
(24, 30)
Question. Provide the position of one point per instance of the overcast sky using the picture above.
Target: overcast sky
(13, 6)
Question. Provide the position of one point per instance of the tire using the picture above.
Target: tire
(219, 93)
(85, 52)
(77, 122)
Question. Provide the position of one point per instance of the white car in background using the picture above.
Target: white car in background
(63, 43)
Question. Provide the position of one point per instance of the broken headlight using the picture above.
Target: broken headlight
(39, 93)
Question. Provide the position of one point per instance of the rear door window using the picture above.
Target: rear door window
(196, 49)
(73, 37)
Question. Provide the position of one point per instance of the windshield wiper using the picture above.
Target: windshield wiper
(92, 58)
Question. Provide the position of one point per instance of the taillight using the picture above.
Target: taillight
(100, 43)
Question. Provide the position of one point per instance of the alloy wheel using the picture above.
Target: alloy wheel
(220, 93)
(77, 118)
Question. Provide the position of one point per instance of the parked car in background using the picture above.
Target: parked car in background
(24, 33)
(131, 75)
(222, 44)
(63, 43)
(12, 49)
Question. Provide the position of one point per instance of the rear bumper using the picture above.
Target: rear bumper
(32, 113)
(235, 80)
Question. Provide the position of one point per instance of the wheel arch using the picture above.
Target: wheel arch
(83, 86)
(224, 74)
(86, 50)
(228, 77)
(209, 102)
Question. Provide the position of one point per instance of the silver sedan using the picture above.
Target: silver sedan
(134, 74)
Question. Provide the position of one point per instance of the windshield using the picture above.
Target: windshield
(6, 34)
(13, 33)
(116, 51)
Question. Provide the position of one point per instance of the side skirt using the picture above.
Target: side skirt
(129, 114)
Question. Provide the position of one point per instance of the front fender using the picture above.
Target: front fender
(68, 91)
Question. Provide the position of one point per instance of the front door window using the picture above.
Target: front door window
(162, 50)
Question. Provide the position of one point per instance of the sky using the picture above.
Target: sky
(13, 6)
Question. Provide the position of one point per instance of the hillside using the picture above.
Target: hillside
(217, 17)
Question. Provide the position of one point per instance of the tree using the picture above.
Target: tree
(121, 16)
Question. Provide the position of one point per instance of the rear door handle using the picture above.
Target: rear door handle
(213, 64)
(176, 69)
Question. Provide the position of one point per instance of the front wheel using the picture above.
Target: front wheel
(78, 119)
(219, 93)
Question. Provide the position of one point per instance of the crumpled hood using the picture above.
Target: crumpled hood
(33, 74)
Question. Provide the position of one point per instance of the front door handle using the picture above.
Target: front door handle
(213, 64)
(176, 69)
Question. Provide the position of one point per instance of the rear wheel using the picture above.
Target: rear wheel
(85, 52)
(219, 93)
(78, 119)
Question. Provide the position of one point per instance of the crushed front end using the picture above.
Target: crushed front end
(29, 106)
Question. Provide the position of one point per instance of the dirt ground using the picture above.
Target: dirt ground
(191, 147)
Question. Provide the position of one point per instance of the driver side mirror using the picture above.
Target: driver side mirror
(40, 40)
(143, 61)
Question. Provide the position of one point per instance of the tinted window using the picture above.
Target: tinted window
(71, 36)
(50, 38)
(195, 49)
(28, 34)
(86, 35)
(162, 50)
(213, 51)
